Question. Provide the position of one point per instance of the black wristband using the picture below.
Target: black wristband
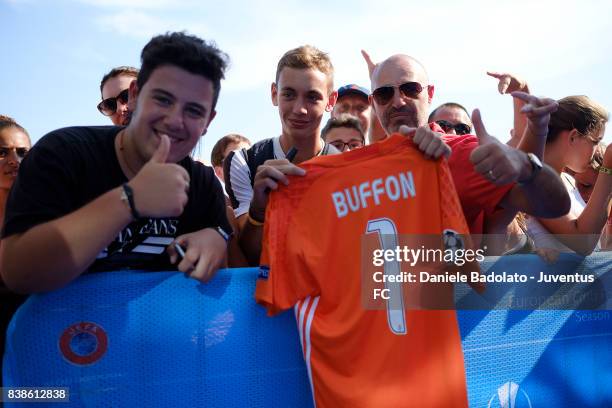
(129, 195)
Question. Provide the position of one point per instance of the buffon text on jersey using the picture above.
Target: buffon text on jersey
(358, 196)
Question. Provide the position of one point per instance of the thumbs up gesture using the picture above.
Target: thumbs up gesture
(499, 163)
(160, 188)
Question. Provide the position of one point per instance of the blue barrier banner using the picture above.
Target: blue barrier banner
(130, 339)
(137, 339)
(538, 358)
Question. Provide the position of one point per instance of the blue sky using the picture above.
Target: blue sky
(54, 53)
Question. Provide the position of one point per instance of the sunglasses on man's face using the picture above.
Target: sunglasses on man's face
(20, 151)
(460, 128)
(108, 106)
(384, 94)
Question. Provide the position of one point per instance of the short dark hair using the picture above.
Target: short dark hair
(216, 156)
(448, 105)
(115, 72)
(343, 120)
(185, 51)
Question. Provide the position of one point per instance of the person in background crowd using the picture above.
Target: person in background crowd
(354, 100)
(508, 83)
(223, 148)
(14, 145)
(220, 151)
(344, 132)
(585, 182)
(88, 199)
(453, 118)
(114, 91)
(574, 132)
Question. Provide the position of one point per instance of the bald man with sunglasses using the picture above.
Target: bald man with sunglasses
(488, 175)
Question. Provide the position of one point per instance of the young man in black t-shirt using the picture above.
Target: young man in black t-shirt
(107, 198)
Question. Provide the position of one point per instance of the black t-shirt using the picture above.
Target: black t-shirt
(70, 167)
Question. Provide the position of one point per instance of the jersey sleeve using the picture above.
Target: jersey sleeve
(45, 187)
(284, 276)
(238, 182)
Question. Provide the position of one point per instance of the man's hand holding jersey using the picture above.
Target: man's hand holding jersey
(427, 141)
(268, 177)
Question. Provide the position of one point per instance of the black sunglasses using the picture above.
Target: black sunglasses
(5, 151)
(460, 128)
(384, 94)
(108, 106)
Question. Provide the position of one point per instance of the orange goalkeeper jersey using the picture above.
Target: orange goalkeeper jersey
(359, 356)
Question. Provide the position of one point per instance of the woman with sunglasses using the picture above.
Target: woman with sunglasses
(14, 144)
(574, 131)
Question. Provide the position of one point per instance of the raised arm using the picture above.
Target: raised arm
(540, 193)
(537, 114)
(376, 130)
(508, 83)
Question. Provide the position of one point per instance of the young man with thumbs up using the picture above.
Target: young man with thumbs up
(486, 173)
(108, 198)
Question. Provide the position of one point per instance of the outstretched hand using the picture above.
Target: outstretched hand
(538, 112)
(508, 83)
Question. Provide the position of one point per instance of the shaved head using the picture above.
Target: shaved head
(402, 110)
(401, 63)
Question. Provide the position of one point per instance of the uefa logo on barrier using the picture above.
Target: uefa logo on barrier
(83, 343)
(510, 395)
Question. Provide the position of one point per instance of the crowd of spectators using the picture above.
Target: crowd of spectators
(86, 198)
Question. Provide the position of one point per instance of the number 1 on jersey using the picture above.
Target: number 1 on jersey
(387, 236)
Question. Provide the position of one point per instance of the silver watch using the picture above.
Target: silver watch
(536, 167)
